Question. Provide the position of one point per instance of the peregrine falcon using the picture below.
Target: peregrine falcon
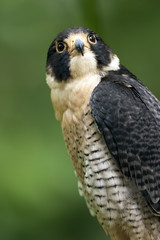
(111, 127)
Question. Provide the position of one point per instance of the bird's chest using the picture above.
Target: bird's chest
(97, 171)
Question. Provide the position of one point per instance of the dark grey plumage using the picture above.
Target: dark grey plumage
(128, 116)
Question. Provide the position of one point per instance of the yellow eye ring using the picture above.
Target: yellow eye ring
(92, 38)
(60, 47)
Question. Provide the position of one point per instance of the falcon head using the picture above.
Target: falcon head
(76, 52)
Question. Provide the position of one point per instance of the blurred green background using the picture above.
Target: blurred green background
(38, 190)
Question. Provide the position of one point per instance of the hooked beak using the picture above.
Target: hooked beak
(79, 46)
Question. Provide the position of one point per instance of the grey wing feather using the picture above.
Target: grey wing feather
(128, 116)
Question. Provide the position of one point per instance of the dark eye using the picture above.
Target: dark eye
(92, 39)
(60, 47)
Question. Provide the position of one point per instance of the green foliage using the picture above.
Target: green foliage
(38, 189)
